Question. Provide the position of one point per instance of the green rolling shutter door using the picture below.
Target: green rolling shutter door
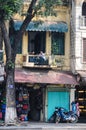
(60, 99)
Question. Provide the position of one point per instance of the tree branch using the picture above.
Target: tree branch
(6, 40)
(23, 27)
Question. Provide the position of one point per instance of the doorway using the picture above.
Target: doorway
(36, 104)
(37, 42)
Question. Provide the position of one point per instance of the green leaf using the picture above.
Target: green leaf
(9, 7)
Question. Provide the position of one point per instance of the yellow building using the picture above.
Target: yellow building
(49, 81)
(42, 36)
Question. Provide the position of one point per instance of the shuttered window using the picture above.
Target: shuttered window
(84, 49)
(57, 46)
(19, 48)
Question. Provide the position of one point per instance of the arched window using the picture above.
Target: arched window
(84, 9)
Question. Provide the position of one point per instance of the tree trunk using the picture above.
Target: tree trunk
(1, 39)
(10, 115)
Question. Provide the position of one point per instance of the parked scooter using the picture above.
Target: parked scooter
(61, 114)
(55, 116)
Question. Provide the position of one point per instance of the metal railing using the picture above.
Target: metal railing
(36, 60)
(32, 60)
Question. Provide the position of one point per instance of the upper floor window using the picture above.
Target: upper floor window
(12, 33)
(19, 47)
(57, 45)
(37, 41)
(84, 49)
(84, 9)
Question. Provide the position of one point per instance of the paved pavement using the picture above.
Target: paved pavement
(45, 126)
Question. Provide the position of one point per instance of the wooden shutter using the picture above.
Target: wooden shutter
(84, 49)
(57, 47)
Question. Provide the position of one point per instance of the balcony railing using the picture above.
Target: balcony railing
(36, 61)
(82, 21)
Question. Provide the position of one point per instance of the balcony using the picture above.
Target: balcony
(83, 22)
(35, 61)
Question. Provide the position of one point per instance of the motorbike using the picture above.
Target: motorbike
(55, 117)
(62, 115)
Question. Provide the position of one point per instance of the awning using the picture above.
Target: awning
(43, 26)
(82, 73)
(47, 77)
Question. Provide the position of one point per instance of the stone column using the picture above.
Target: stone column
(72, 96)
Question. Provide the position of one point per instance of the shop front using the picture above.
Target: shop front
(28, 102)
(39, 92)
(81, 92)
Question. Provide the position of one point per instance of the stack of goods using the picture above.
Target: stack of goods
(22, 103)
(2, 104)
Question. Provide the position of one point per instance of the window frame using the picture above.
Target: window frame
(61, 44)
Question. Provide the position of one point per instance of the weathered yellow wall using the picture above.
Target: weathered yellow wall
(63, 15)
(19, 60)
(25, 43)
(19, 57)
(48, 43)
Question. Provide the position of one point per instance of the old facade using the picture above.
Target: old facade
(78, 53)
(47, 83)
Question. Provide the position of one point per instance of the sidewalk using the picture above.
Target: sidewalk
(45, 126)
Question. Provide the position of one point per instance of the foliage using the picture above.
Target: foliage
(46, 7)
(10, 65)
(8, 8)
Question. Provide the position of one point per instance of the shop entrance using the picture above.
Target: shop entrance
(28, 103)
(35, 104)
(81, 98)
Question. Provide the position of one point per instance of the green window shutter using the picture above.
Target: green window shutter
(19, 48)
(57, 43)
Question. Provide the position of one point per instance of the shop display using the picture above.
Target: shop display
(28, 103)
(2, 104)
(22, 103)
